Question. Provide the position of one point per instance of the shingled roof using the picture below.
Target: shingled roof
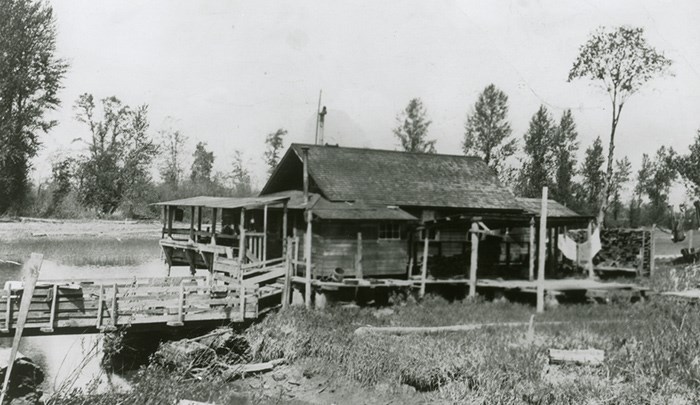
(383, 177)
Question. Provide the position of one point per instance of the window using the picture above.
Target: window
(389, 231)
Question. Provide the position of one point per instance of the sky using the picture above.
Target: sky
(229, 72)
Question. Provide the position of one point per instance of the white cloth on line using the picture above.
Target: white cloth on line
(568, 247)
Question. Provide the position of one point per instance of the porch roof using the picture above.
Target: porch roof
(225, 202)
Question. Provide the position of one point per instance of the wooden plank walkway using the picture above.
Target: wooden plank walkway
(89, 306)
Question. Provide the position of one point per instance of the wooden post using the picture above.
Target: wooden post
(358, 257)
(213, 225)
(531, 261)
(287, 292)
(192, 224)
(165, 221)
(52, 314)
(652, 252)
(285, 239)
(170, 221)
(30, 273)
(542, 254)
(690, 241)
(241, 293)
(100, 304)
(507, 241)
(264, 241)
(641, 254)
(241, 246)
(180, 307)
(589, 232)
(474, 259)
(296, 253)
(424, 267)
(199, 222)
(8, 309)
(114, 305)
(307, 256)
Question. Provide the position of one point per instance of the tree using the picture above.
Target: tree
(202, 164)
(30, 77)
(537, 167)
(275, 144)
(623, 61)
(62, 172)
(655, 179)
(565, 147)
(412, 129)
(240, 176)
(688, 166)
(592, 177)
(487, 131)
(172, 143)
(621, 176)
(115, 171)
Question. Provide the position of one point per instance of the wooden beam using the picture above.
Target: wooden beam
(531, 259)
(589, 233)
(358, 257)
(165, 221)
(192, 224)
(424, 266)
(542, 253)
(285, 216)
(264, 240)
(652, 252)
(473, 259)
(170, 220)
(213, 225)
(307, 256)
(287, 292)
(241, 245)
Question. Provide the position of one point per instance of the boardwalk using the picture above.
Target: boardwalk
(84, 306)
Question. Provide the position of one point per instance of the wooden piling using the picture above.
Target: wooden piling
(589, 232)
(424, 266)
(358, 256)
(474, 259)
(531, 261)
(307, 256)
(542, 253)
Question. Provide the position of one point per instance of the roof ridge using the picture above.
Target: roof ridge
(383, 150)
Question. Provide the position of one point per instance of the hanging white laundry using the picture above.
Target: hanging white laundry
(595, 242)
(567, 246)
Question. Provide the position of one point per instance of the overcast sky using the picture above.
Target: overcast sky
(228, 73)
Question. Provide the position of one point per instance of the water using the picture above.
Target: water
(74, 360)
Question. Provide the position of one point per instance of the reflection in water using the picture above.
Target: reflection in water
(74, 360)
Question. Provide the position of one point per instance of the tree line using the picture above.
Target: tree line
(113, 174)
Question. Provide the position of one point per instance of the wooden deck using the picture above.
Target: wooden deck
(89, 306)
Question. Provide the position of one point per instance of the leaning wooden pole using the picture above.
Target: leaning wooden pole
(542, 252)
(424, 267)
(474, 259)
(30, 273)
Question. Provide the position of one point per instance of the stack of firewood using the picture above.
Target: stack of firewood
(620, 247)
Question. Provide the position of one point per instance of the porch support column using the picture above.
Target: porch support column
(542, 253)
(192, 223)
(474, 259)
(531, 261)
(165, 221)
(213, 226)
(424, 266)
(285, 240)
(589, 232)
(264, 248)
(171, 213)
(241, 247)
(307, 255)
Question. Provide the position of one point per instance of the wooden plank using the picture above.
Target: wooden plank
(531, 256)
(473, 259)
(307, 256)
(542, 252)
(577, 356)
(424, 265)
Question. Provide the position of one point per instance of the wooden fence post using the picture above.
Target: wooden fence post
(307, 254)
(531, 261)
(358, 257)
(424, 266)
(542, 253)
(589, 232)
(474, 259)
